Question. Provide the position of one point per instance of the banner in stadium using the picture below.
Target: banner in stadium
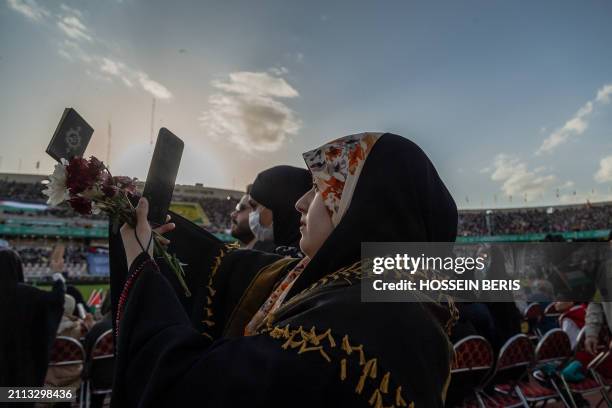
(192, 211)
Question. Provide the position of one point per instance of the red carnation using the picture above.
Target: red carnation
(96, 168)
(78, 176)
(108, 186)
(125, 183)
(81, 205)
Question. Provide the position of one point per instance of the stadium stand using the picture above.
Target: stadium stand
(23, 217)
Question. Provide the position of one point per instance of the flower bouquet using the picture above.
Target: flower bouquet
(89, 188)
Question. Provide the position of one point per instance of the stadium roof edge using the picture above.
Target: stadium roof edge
(538, 207)
(23, 177)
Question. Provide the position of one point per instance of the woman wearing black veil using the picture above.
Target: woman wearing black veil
(312, 342)
(28, 322)
(277, 189)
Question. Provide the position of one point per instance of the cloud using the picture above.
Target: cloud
(129, 76)
(603, 95)
(153, 87)
(578, 124)
(256, 84)
(518, 179)
(71, 10)
(29, 8)
(74, 28)
(113, 68)
(604, 174)
(78, 44)
(279, 71)
(247, 111)
(73, 52)
(117, 69)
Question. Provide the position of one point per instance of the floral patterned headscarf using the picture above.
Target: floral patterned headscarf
(335, 168)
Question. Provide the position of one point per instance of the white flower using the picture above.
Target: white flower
(56, 189)
(95, 209)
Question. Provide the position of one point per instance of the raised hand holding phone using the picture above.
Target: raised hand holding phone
(134, 237)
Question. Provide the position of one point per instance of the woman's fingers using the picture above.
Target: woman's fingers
(162, 230)
(142, 210)
(165, 228)
(164, 241)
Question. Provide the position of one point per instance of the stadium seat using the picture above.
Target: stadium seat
(595, 381)
(98, 376)
(67, 351)
(473, 360)
(511, 376)
(533, 315)
(554, 349)
(550, 311)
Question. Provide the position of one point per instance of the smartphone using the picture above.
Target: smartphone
(162, 175)
(71, 137)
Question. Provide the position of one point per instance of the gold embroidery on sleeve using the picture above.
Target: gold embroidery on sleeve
(208, 312)
(324, 343)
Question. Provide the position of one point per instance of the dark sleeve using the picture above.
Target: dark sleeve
(163, 361)
(36, 315)
(195, 247)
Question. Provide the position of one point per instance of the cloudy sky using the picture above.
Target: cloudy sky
(508, 98)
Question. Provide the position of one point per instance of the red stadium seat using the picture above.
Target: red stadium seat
(596, 381)
(550, 311)
(511, 376)
(533, 315)
(67, 351)
(472, 363)
(554, 347)
(98, 377)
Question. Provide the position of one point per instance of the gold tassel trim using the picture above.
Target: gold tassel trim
(310, 341)
(399, 400)
(368, 370)
(208, 312)
(384, 383)
(346, 346)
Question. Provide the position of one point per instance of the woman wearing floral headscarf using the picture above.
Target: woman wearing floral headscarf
(312, 342)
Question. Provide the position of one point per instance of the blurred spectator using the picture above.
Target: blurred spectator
(70, 326)
(240, 223)
(31, 192)
(29, 318)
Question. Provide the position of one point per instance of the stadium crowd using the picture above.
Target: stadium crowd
(535, 220)
(471, 223)
(218, 211)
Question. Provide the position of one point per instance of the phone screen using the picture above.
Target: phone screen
(162, 175)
